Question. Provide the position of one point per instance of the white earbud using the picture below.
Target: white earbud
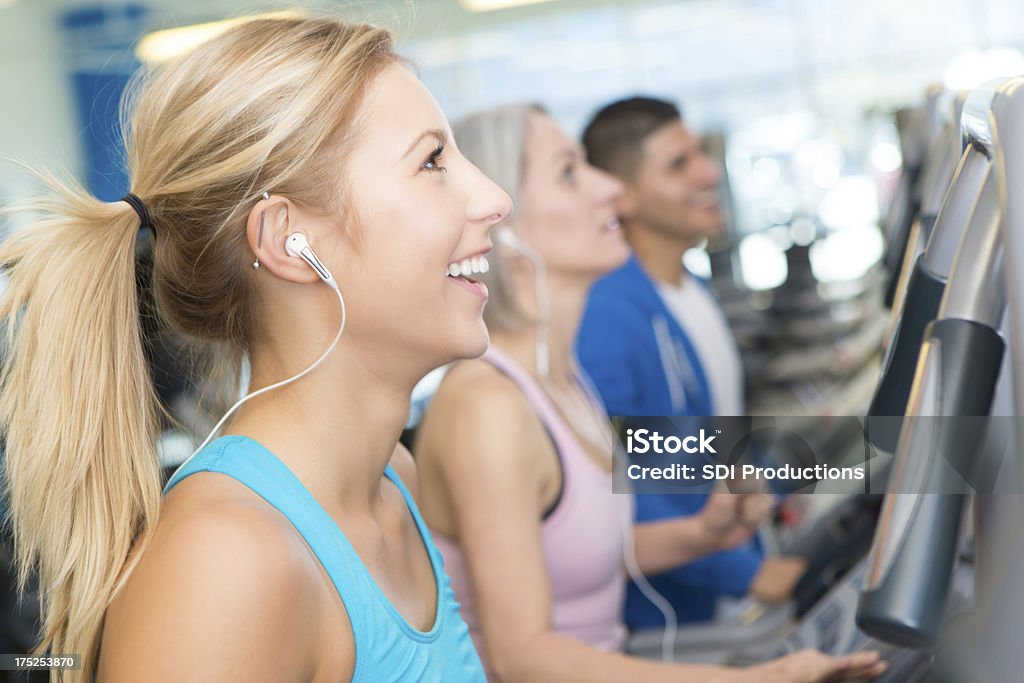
(297, 245)
(509, 239)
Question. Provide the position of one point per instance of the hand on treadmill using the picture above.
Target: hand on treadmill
(777, 577)
(811, 666)
(731, 519)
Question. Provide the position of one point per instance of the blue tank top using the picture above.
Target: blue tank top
(387, 647)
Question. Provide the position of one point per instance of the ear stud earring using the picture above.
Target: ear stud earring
(259, 241)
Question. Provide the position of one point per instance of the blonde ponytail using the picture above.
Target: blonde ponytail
(77, 408)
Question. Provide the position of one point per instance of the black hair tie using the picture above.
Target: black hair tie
(140, 208)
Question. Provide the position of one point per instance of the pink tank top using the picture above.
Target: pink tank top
(582, 536)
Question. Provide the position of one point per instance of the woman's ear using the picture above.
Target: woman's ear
(270, 222)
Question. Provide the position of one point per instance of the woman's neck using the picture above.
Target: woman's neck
(336, 428)
(660, 254)
(567, 299)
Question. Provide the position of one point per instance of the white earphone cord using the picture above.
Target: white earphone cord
(668, 639)
(626, 517)
(216, 428)
(540, 290)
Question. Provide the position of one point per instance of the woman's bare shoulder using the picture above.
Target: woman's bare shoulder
(477, 386)
(478, 409)
(225, 589)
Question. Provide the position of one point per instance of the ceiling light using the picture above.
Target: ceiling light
(159, 46)
(489, 5)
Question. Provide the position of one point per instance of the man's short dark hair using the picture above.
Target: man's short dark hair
(615, 135)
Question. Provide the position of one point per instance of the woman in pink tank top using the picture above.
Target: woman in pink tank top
(514, 452)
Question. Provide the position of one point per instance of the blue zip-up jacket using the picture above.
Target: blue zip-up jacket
(644, 364)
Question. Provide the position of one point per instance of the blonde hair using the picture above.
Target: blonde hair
(268, 105)
(494, 140)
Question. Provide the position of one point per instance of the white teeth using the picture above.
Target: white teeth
(469, 266)
(612, 224)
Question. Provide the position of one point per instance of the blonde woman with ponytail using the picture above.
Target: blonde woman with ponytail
(290, 548)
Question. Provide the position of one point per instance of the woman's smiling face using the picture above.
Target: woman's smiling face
(569, 207)
(418, 207)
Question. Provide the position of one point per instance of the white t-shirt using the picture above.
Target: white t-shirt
(700, 316)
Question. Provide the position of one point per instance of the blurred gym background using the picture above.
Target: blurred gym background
(797, 98)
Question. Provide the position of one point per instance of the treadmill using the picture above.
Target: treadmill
(942, 461)
(940, 595)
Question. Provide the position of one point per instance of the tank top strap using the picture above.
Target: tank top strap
(421, 525)
(250, 463)
(508, 367)
(565, 440)
(571, 454)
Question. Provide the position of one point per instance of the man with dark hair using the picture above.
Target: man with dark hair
(656, 342)
(671, 204)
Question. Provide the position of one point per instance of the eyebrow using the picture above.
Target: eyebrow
(685, 155)
(436, 133)
(567, 153)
